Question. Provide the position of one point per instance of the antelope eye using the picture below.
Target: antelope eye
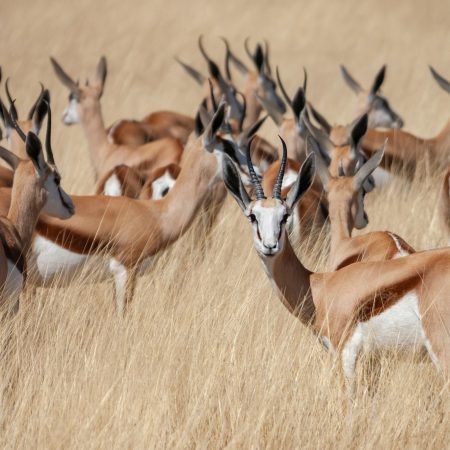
(252, 218)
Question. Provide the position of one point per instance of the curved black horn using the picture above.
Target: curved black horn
(213, 68)
(12, 107)
(195, 74)
(244, 111)
(247, 49)
(48, 136)
(211, 93)
(283, 90)
(254, 178)
(33, 108)
(279, 182)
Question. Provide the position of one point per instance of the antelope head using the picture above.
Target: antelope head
(259, 80)
(46, 180)
(373, 101)
(81, 96)
(346, 155)
(33, 121)
(268, 216)
(346, 190)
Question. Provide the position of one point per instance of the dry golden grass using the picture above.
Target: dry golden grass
(208, 357)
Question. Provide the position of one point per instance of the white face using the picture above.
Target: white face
(267, 218)
(162, 185)
(58, 204)
(381, 114)
(70, 115)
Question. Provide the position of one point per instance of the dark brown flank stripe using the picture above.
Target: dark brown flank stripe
(77, 243)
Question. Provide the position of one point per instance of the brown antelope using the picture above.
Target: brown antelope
(402, 302)
(36, 188)
(403, 149)
(291, 129)
(33, 122)
(84, 107)
(345, 195)
(372, 102)
(125, 230)
(258, 82)
(124, 180)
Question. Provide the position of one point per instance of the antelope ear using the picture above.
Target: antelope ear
(378, 80)
(443, 83)
(350, 81)
(234, 184)
(209, 135)
(65, 79)
(40, 111)
(303, 182)
(366, 170)
(359, 130)
(322, 166)
(33, 148)
(258, 59)
(101, 73)
(10, 158)
(273, 112)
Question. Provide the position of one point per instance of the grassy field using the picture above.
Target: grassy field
(208, 357)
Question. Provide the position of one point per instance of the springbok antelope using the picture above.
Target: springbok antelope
(36, 188)
(124, 180)
(124, 230)
(402, 302)
(258, 82)
(372, 102)
(33, 122)
(345, 195)
(403, 149)
(84, 107)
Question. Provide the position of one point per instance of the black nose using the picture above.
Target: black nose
(270, 247)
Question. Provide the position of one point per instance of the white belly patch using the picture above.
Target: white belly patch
(52, 262)
(398, 326)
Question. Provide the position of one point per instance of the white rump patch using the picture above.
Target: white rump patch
(162, 185)
(113, 187)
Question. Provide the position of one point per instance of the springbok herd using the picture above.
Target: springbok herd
(155, 175)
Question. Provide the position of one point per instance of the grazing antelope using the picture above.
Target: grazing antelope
(36, 188)
(345, 195)
(402, 302)
(124, 230)
(84, 107)
(258, 82)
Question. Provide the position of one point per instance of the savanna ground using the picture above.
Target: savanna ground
(208, 357)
